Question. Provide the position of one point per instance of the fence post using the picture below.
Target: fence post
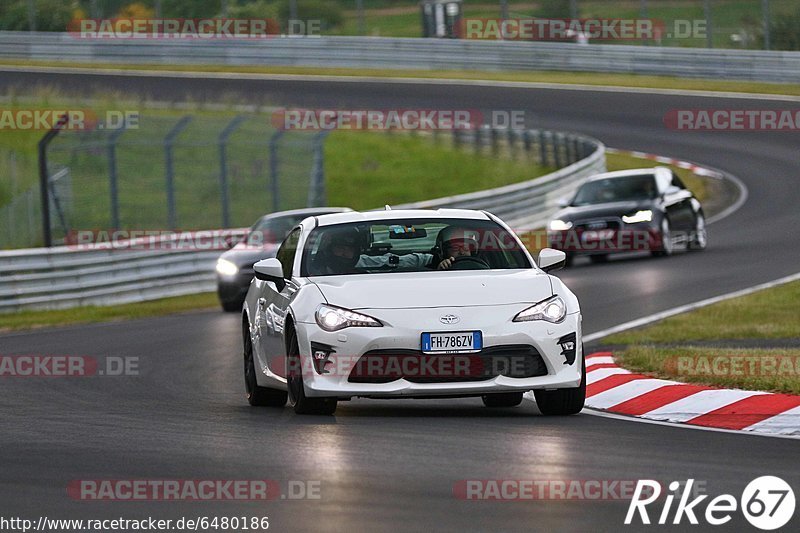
(274, 170)
(542, 149)
(558, 143)
(172, 218)
(44, 184)
(316, 192)
(222, 141)
(112, 175)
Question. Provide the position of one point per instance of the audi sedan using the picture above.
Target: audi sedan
(410, 304)
(628, 211)
(235, 266)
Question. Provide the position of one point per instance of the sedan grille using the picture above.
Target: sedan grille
(385, 366)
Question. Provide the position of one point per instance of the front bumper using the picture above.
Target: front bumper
(477, 374)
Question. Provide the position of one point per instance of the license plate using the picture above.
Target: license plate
(595, 236)
(452, 342)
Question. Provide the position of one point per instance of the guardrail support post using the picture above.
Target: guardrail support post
(44, 183)
(223, 167)
(169, 140)
(274, 169)
(542, 149)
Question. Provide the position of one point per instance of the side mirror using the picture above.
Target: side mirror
(270, 270)
(563, 202)
(550, 259)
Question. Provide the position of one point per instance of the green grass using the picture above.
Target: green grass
(766, 370)
(767, 314)
(367, 170)
(25, 320)
(566, 78)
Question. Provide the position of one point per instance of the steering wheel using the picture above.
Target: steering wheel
(467, 262)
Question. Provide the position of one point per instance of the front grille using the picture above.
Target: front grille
(385, 366)
(598, 224)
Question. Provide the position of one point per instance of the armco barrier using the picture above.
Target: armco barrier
(407, 53)
(63, 277)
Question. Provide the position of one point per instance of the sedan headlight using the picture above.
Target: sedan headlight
(639, 216)
(226, 268)
(332, 318)
(551, 310)
(559, 225)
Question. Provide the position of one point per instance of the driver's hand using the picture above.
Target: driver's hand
(446, 264)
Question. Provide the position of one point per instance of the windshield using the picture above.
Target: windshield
(272, 230)
(412, 245)
(616, 190)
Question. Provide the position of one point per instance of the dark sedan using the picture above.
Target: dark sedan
(235, 266)
(627, 211)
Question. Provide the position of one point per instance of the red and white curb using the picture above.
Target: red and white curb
(680, 163)
(613, 389)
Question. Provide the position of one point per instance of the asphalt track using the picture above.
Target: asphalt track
(393, 465)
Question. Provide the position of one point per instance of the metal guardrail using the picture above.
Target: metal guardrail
(528, 205)
(69, 276)
(66, 276)
(407, 53)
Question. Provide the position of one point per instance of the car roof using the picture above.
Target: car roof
(307, 211)
(631, 172)
(399, 214)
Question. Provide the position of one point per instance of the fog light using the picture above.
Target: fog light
(319, 355)
(568, 348)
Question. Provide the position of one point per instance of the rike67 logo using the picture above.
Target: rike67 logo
(767, 502)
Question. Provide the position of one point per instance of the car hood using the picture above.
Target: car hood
(613, 209)
(435, 289)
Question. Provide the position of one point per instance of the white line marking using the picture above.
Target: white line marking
(604, 359)
(398, 80)
(688, 307)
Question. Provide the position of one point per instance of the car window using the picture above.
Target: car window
(287, 252)
(413, 245)
(676, 181)
(619, 189)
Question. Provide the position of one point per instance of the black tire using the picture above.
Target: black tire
(563, 401)
(569, 260)
(667, 246)
(599, 258)
(303, 405)
(256, 395)
(503, 399)
(699, 239)
(231, 306)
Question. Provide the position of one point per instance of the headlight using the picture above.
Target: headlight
(559, 225)
(332, 318)
(226, 268)
(639, 216)
(552, 310)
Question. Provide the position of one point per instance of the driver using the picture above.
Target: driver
(341, 252)
(455, 242)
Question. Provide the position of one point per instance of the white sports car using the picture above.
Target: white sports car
(411, 304)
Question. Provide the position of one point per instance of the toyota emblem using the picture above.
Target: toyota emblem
(449, 319)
